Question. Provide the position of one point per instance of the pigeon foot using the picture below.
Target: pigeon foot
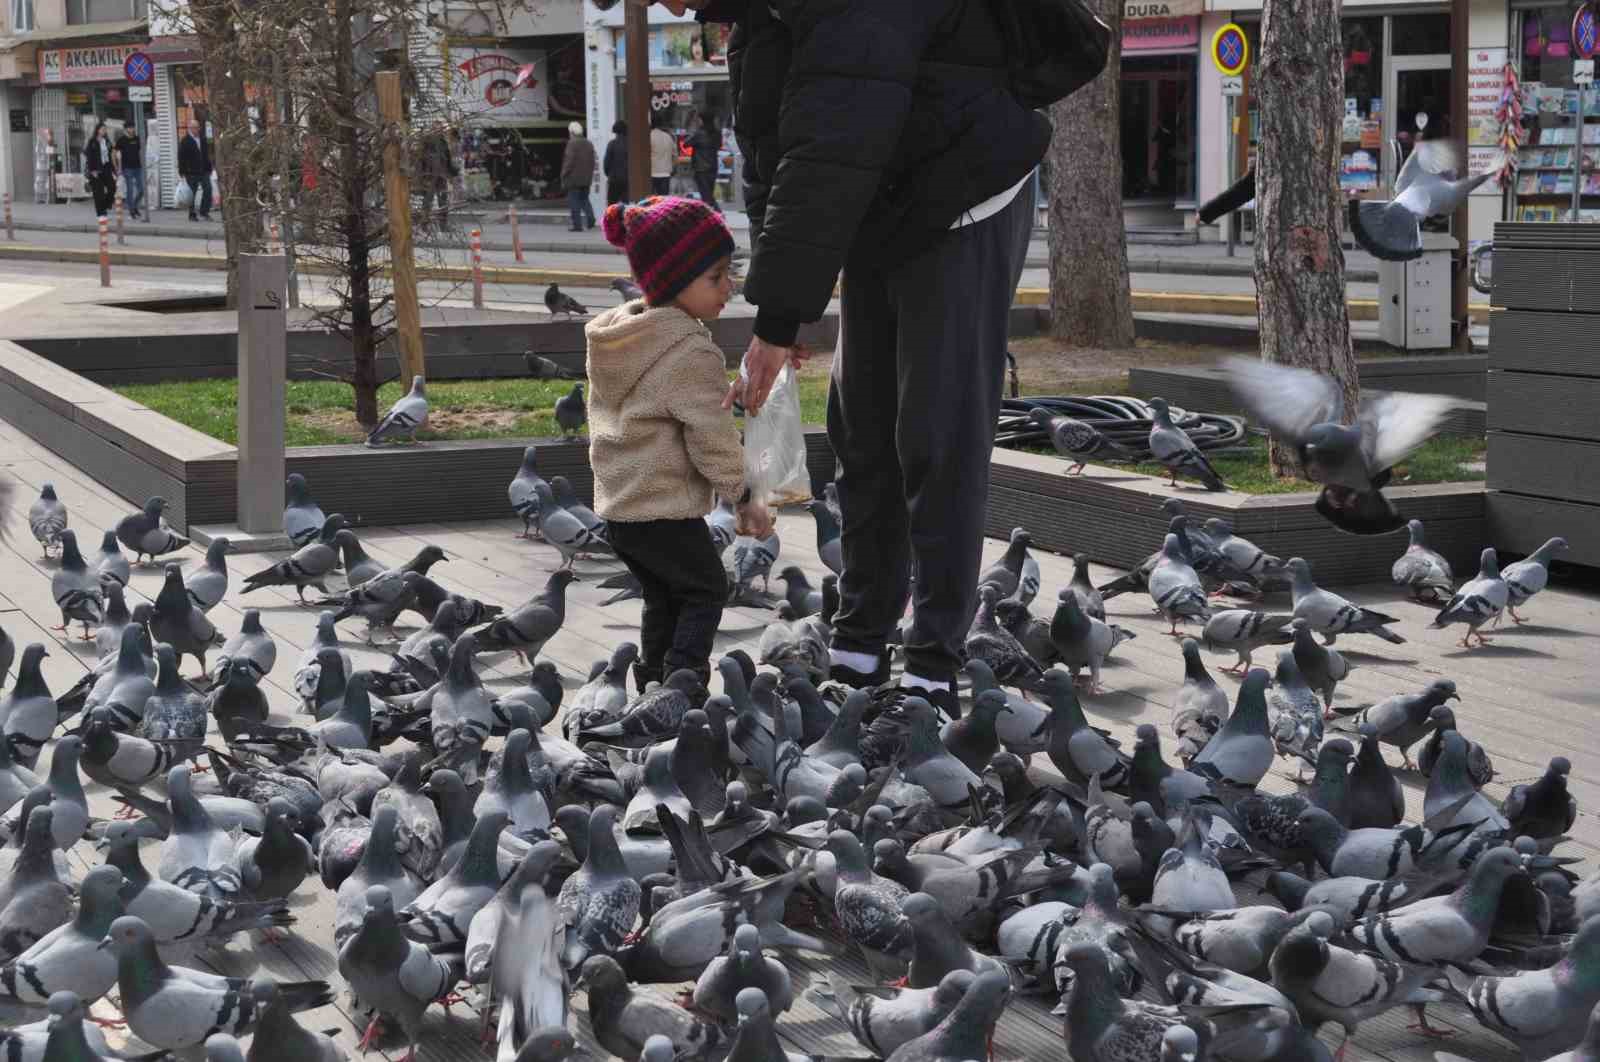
(374, 1028)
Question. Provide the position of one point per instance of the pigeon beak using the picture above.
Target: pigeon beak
(105, 942)
(1453, 697)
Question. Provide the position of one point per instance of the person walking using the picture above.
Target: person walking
(615, 165)
(886, 140)
(577, 174)
(706, 142)
(663, 153)
(130, 156)
(194, 166)
(100, 169)
(437, 167)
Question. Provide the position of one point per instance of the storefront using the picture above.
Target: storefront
(80, 88)
(1549, 146)
(1160, 49)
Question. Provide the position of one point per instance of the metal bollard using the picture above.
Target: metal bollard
(477, 269)
(122, 237)
(516, 231)
(11, 231)
(105, 254)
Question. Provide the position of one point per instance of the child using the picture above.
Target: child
(659, 440)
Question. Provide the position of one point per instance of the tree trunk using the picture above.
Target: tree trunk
(1090, 304)
(230, 119)
(357, 238)
(1300, 293)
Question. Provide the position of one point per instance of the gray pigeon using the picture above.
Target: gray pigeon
(177, 622)
(209, 585)
(1171, 446)
(523, 492)
(68, 804)
(563, 530)
(1542, 1012)
(1189, 876)
(998, 647)
(1406, 718)
(47, 518)
(406, 417)
(571, 413)
(273, 865)
(197, 855)
(358, 567)
(1331, 615)
(146, 532)
(418, 829)
(938, 947)
(16, 780)
(302, 517)
(511, 790)
(627, 289)
(882, 1019)
(1176, 589)
(389, 975)
(623, 1019)
(379, 600)
(802, 598)
(1454, 928)
(1242, 751)
(752, 560)
(1353, 462)
(67, 1033)
(1451, 798)
(1089, 599)
(567, 498)
(307, 671)
(1321, 667)
(528, 627)
(1006, 573)
(1428, 185)
(524, 952)
(559, 302)
(1528, 576)
(967, 1030)
(442, 915)
(1424, 573)
(1480, 767)
(1077, 441)
(111, 566)
(252, 646)
(868, 907)
(829, 549)
(1543, 810)
(307, 566)
(1200, 707)
(34, 900)
(601, 901)
(1102, 1025)
(173, 716)
(1478, 601)
(379, 865)
(1081, 640)
(76, 589)
(1376, 797)
(1078, 751)
(745, 966)
(1244, 631)
(279, 1036)
(1241, 559)
(28, 713)
(722, 520)
(237, 701)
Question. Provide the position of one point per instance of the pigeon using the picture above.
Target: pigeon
(570, 412)
(1478, 601)
(753, 559)
(1322, 668)
(1078, 751)
(1330, 615)
(829, 548)
(1189, 876)
(964, 1033)
(1077, 441)
(1081, 640)
(406, 417)
(1244, 631)
(47, 518)
(1544, 809)
(237, 701)
(379, 600)
(528, 627)
(745, 966)
(802, 598)
(1005, 575)
(600, 902)
(1454, 928)
(997, 647)
(523, 493)
(420, 834)
(1480, 768)
(1426, 186)
(33, 898)
(197, 855)
(563, 530)
(722, 521)
(1528, 576)
(279, 1036)
(868, 907)
(567, 498)
(307, 566)
(389, 975)
(252, 646)
(514, 943)
(1175, 588)
(146, 533)
(1353, 462)
(308, 670)
(559, 302)
(1240, 559)
(111, 567)
(69, 805)
(1089, 599)
(1406, 718)
(623, 1019)
(1102, 1025)
(272, 866)
(626, 289)
(1172, 447)
(1424, 573)
(76, 589)
(441, 916)
(28, 713)
(938, 948)
(16, 780)
(209, 584)
(882, 1019)
(1200, 707)
(1542, 1012)
(302, 517)
(1376, 798)
(379, 863)
(1451, 797)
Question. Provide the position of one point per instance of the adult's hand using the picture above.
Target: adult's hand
(762, 363)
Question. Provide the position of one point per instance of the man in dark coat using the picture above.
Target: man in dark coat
(194, 166)
(881, 137)
(578, 164)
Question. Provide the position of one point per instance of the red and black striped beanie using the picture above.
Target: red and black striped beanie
(669, 241)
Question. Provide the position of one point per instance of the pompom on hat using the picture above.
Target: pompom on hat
(669, 242)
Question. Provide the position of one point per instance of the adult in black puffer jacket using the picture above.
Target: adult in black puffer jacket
(880, 137)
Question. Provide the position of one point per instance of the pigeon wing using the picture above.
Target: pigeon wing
(1393, 425)
(1288, 401)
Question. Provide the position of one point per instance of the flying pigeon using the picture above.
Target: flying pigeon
(406, 417)
(1232, 198)
(1427, 186)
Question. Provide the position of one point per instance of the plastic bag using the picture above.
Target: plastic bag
(775, 446)
(183, 194)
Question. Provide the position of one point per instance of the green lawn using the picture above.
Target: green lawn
(1438, 461)
(319, 410)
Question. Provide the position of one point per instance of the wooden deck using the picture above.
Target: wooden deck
(1527, 698)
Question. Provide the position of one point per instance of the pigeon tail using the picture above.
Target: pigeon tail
(1386, 230)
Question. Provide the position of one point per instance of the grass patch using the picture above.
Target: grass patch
(319, 411)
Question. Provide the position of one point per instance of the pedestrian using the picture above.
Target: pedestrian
(706, 143)
(44, 166)
(615, 165)
(663, 154)
(194, 166)
(577, 174)
(437, 166)
(886, 139)
(130, 154)
(659, 440)
(100, 169)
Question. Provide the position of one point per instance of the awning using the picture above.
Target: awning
(45, 38)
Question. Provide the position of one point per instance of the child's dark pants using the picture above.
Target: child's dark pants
(685, 588)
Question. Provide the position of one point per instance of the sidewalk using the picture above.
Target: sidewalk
(544, 232)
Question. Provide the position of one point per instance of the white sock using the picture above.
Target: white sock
(866, 663)
(908, 681)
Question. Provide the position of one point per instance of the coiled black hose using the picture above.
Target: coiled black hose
(1121, 418)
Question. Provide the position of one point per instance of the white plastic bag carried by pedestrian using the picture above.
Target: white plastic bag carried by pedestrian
(184, 195)
(775, 446)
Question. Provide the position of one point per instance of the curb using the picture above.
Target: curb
(1204, 303)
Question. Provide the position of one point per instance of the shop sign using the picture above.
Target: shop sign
(688, 46)
(1486, 80)
(141, 94)
(59, 66)
(484, 84)
(1138, 10)
(1160, 34)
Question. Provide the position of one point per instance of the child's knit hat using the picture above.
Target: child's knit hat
(669, 241)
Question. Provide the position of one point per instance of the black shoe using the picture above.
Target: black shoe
(861, 680)
(945, 701)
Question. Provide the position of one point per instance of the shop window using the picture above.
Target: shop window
(1421, 34)
(21, 16)
(83, 12)
(1552, 140)
(1157, 104)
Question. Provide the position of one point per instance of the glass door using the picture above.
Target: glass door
(1418, 84)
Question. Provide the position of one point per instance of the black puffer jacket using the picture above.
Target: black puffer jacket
(870, 123)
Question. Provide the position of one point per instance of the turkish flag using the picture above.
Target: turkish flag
(524, 78)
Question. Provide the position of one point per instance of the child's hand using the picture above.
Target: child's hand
(753, 518)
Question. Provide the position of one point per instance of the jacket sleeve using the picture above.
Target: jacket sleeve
(848, 92)
(709, 434)
(568, 161)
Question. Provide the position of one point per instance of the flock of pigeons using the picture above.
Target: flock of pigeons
(527, 843)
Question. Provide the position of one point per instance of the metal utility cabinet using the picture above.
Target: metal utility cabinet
(1414, 297)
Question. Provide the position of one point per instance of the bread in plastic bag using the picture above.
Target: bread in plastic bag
(775, 446)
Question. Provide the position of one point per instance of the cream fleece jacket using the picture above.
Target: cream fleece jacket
(659, 439)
